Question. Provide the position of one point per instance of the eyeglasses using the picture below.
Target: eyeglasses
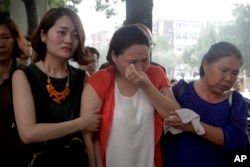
(152, 44)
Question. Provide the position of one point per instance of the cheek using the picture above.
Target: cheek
(145, 66)
(76, 44)
(10, 45)
(122, 68)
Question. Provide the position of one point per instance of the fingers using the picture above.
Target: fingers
(131, 72)
(96, 111)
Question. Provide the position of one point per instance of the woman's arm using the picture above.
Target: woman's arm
(90, 101)
(163, 100)
(212, 133)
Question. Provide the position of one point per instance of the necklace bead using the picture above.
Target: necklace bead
(57, 96)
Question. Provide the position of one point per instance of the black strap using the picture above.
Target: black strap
(181, 90)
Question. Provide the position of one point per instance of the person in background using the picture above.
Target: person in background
(237, 86)
(93, 58)
(104, 65)
(223, 114)
(48, 117)
(173, 81)
(26, 59)
(12, 46)
(133, 102)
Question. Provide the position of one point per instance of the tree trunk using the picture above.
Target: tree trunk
(30, 6)
(139, 11)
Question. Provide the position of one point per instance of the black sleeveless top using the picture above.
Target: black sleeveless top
(47, 111)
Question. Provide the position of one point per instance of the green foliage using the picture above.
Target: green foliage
(235, 31)
(241, 27)
(5, 6)
(106, 7)
(193, 55)
(163, 54)
(64, 3)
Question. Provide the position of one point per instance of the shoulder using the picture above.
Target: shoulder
(75, 70)
(179, 84)
(153, 68)
(157, 76)
(237, 97)
(102, 81)
(104, 76)
(155, 72)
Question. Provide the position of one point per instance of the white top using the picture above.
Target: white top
(131, 141)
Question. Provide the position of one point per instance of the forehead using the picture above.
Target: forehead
(230, 62)
(92, 55)
(64, 22)
(4, 29)
(136, 52)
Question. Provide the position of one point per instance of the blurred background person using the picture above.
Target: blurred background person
(173, 81)
(93, 58)
(237, 86)
(27, 58)
(12, 46)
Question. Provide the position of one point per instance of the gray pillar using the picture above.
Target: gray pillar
(18, 12)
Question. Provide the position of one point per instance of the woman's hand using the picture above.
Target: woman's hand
(175, 121)
(91, 120)
(137, 77)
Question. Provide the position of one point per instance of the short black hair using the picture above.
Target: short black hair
(93, 51)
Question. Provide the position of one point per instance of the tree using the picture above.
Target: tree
(4, 5)
(237, 32)
(65, 3)
(137, 11)
(242, 24)
(163, 54)
(31, 10)
(193, 55)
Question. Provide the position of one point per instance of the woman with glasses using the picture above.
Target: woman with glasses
(132, 106)
(12, 46)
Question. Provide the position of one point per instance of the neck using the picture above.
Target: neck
(208, 94)
(54, 70)
(24, 61)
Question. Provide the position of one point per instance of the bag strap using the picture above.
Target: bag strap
(230, 97)
(181, 90)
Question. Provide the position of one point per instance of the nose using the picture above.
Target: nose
(228, 77)
(68, 38)
(2, 43)
(139, 66)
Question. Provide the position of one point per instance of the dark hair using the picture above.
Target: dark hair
(27, 37)
(47, 22)
(18, 37)
(220, 50)
(93, 51)
(125, 37)
(173, 80)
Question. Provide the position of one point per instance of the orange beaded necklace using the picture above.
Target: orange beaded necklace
(53, 93)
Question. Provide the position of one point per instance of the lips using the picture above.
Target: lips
(224, 87)
(67, 49)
